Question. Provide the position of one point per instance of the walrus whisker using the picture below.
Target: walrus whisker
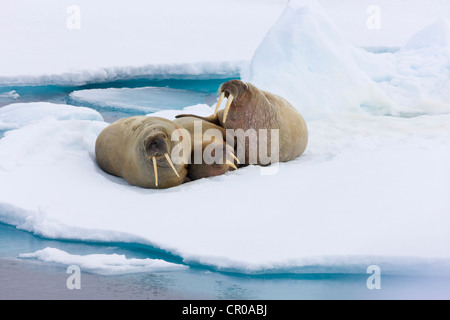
(222, 95)
(230, 164)
(227, 107)
(155, 170)
(171, 164)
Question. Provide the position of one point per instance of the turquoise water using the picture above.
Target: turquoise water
(201, 91)
(25, 278)
(197, 282)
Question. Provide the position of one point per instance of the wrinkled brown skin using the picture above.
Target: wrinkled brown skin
(253, 108)
(203, 170)
(125, 149)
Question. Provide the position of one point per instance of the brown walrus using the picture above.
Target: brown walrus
(251, 109)
(214, 156)
(138, 149)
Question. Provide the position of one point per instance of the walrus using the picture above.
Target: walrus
(138, 149)
(209, 139)
(249, 110)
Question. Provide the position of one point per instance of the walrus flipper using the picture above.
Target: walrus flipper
(213, 119)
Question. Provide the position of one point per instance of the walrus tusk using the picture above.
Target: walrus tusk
(227, 107)
(171, 164)
(230, 164)
(222, 95)
(155, 170)
(235, 158)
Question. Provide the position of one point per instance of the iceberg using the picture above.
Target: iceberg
(435, 35)
(105, 264)
(305, 59)
(420, 80)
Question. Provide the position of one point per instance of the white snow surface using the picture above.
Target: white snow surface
(371, 188)
(368, 189)
(105, 264)
(18, 115)
(128, 39)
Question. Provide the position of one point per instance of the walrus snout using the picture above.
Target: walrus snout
(156, 145)
(233, 88)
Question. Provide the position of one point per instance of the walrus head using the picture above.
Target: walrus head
(233, 90)
(156, 144)
(213, 164)
(156, 149)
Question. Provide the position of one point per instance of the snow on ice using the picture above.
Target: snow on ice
(128, 40)
(371, 188)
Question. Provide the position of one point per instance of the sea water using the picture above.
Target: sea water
(30, 279)
(159, 94)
